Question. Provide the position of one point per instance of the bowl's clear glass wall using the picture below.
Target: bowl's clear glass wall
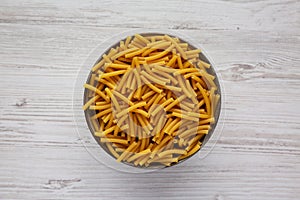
(86, 73)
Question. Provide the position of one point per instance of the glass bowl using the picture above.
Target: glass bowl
(86, 127)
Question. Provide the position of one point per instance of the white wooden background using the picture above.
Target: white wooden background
(256, 48)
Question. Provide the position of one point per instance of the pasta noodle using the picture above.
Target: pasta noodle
(151, 100)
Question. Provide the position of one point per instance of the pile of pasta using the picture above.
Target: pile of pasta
(151, 101)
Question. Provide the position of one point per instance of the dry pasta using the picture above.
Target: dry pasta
(151, 100)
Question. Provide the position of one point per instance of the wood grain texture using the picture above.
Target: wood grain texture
(255, 46)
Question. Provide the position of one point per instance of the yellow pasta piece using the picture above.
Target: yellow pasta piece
(185, 90)
(164, 69)
(159, 62)
(199, 133)
(121, 120)
(151, 44)
(191, 152)
(109, 84)
(115, 73)
(90, 102)
(216, 101)
(177, 101)
(158, 77)
(153, 78)
(160, 145)
(102, 113)
(135, 53)
(112, 52)
(112, 151)
(125, 60)
(131, 125)
(139, 160)
(122, 53)
(180, 50)
(167, 102)
(92, 80)
(126, 100)
(127, 41)
(156, 100)
(116, 130)
(114, 140)
(142, 39)
(206, 121)
(196, 73)
(191, 52)
(206, 100)
(148, 94)
(131, 146)
(144, 160)
(151, 85)
(137, 155)
(117, 145)
(105, 118)
(201, 82)
(147, 68)
(208, 79)
(143, 143)
(212, 99)
(166, 130)
(158, 37)
(151, 101)
(95, 124)
(202, 132)
(139, 84)
(132, 152)
(140, 104)
(103, 133)
(185, 108)
(113, 99)
(128, 83)
(172, 61)
(180, 65)
(185, 70)
(142, 112)
(106, 58)
(160, 45)
(204, 64)
(191, 130)
(172, 151)
(147, 128)
(118, 150)
(192, 58)
(183, 45)
(122, 45)
(166, 161)
(98, 65)
(166, 75)
(162, 54)
(173, 128)
(132, 84)
(115, 62)
(117, 66)
(136, 43)
(173, 88)
(92, 88)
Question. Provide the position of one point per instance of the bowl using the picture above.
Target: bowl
(110, 149)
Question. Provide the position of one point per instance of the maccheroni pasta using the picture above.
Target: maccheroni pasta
(151, 100)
